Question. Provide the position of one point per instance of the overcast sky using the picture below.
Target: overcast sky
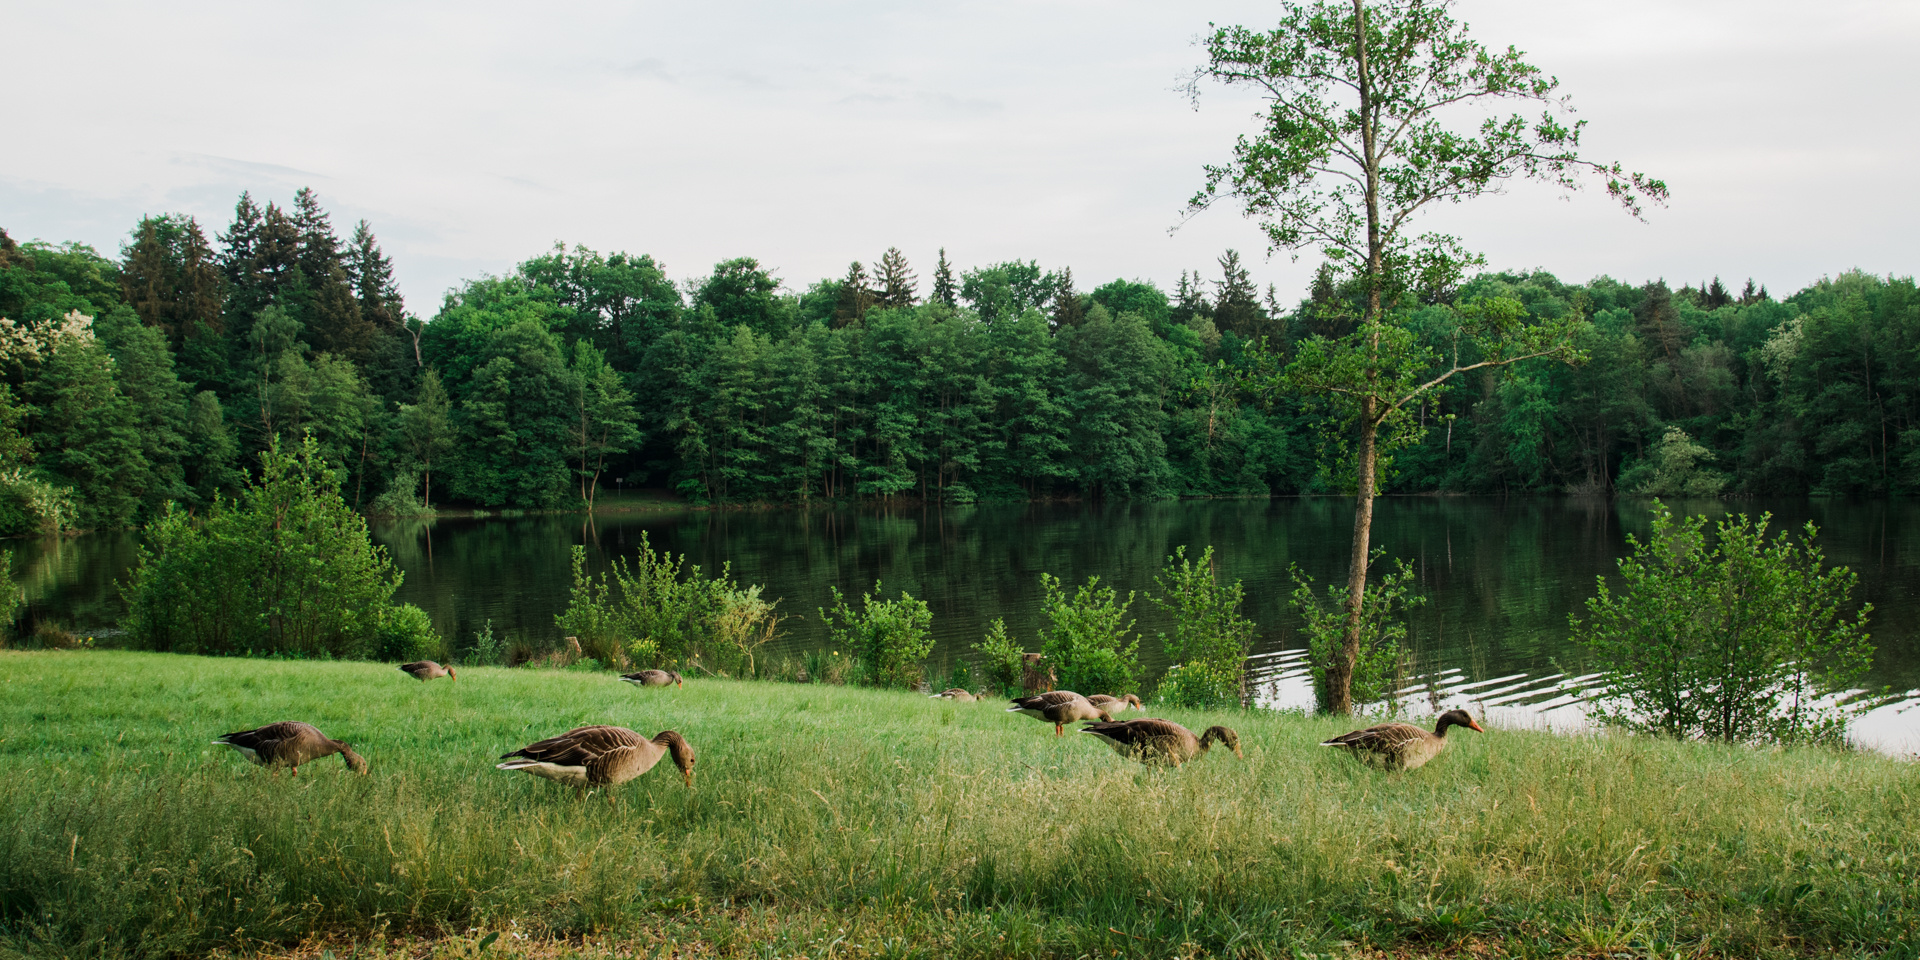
(475, 135)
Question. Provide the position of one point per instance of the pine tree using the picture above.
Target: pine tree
(170, 277)
(319, 247)
(943, 289)
(1237, 308)
(1069, 309)
(1748, 295)
(1717, 295)
(856, 297)
(895, 281)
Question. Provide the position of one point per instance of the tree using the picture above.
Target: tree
(1356, 144)
(603, 418)
(943, 288)
(426, 429)
(1210, 637)
(286, 568)
(170, 276)
(895, 281)
(1731, 637)
(856, 297)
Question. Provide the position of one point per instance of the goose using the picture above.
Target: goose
(654, 678)
(1152, 741)
(599, 756)
(1116, 704)
(290, 743)
(958, 695)
(1060, 707)
(424, 670)
(1403, 745)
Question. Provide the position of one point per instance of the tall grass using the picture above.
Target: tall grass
(881, 823)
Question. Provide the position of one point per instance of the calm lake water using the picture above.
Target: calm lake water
(1501, 577)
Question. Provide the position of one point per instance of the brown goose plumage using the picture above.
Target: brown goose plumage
(1154, 741)
(1402, 745)
(424, 670)
(1116, 704)
(959, 696)
(654, 678)
(290, 743)
(600, 756)
(1058, 707)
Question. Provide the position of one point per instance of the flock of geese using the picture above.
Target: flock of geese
(607, 756)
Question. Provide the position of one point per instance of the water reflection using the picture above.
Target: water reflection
(1502, 577)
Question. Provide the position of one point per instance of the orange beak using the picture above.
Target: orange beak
(1475, 727)
(452, 676)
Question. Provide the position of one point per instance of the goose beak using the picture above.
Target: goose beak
(452, 676)
(1474, 727)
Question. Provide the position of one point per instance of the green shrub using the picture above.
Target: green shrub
(286, 569)
(889, 639)
(1001, 657)
(1730, 637)
(11, 596)
(1210, 638)
(1382, 628)
(30, 504)
(739, 626)
(408, 635)
(1086, 639)
(661, 611)
(488, 648)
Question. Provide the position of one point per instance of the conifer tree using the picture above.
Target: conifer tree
(1237, 307)
(943, 289)
(856, 297)
(170, 277)
(1068, 307)
(895, 281)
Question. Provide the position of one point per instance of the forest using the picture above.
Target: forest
(161, 373)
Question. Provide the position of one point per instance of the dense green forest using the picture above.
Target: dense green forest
(160, 374)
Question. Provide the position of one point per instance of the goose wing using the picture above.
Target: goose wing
(1384, 738)
(262, 739)
(578, 747)
(1041, 701)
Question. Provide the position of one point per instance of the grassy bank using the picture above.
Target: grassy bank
(832, 821)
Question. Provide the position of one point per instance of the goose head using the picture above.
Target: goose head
(1455, 718)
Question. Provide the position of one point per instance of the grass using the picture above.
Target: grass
(849, 823)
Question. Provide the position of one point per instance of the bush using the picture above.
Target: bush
(1673, 468)
(1730, 637)
(1210, 638)
(889, 639)
(32, 505)
(1382, 627)
(740, 625)
(285, 569)
(1086, 640)
(11, 596)
(660, 611)
(1002, 659)
(408, 635)
(488, 649)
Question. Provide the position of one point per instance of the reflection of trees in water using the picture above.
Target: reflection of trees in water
(1502, 575)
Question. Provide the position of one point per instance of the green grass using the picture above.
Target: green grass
(840, 822)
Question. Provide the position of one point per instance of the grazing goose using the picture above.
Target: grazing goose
(1059, 707)
(599, 756)
(959, 696)
(654, 678)
(1403, 745)
(1152, 741)
(1116, 704)
(290, 743)
(425, 670)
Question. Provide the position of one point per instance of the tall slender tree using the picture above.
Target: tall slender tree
(943, 289)
(1360, 137)
(894, 282)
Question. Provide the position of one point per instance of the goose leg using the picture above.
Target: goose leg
(1057, 730)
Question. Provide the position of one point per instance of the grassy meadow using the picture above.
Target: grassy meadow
(839, 822)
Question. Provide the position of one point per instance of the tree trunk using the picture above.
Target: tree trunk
(1340, 671)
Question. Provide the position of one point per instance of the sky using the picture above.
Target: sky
(476, 135)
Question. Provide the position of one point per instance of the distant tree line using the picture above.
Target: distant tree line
(160, 375)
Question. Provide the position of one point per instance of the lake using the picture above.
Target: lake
(1501, 577)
